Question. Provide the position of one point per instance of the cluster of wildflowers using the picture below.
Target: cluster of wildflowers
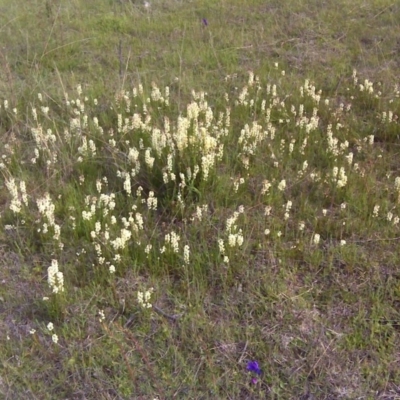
(148, 148)
(316, 238)
(55, 278)
(102, 316)
(234, 235)
(282, 185)
(200, 212)
(54, 336)
(339, 177)
(143, 298)
(46, 208)
(19, 196)
(266, 187)
(288, 207)
(172, 241)
(237, 182)
(221, 247)
(186, 254)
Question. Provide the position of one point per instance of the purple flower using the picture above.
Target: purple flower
(253, 366)
(254, 381)
(205, 22)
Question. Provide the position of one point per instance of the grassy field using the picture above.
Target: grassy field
(199, 199)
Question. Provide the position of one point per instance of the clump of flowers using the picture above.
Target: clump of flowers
(282, 185)
(18, 197)
(50, 328)
(316, 238)
(172, 240)
(144, 298)
(55, 277)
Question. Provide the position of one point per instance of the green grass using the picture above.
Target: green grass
(275, 232)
